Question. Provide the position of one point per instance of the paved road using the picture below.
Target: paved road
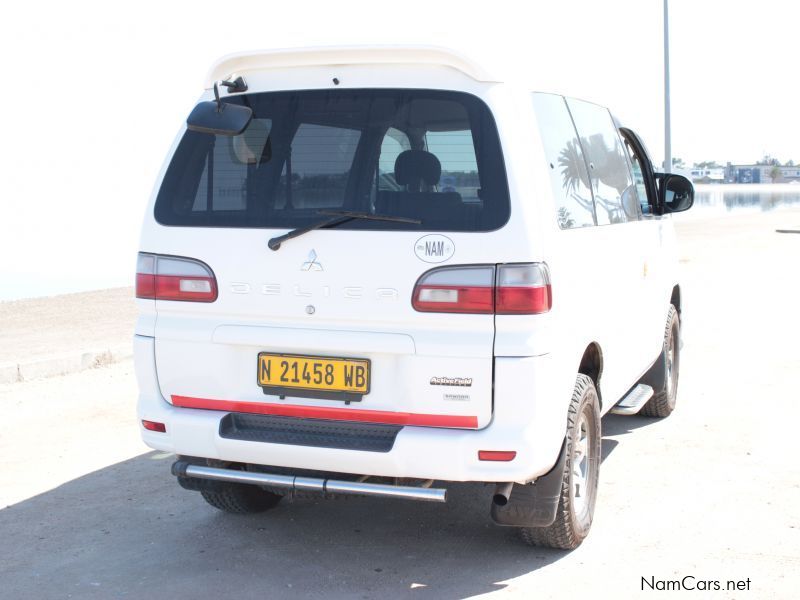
(713, 492)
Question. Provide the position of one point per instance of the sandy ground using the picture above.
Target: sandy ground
(712, 492)
(31, 329)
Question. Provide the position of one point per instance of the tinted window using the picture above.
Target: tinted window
(615, 195)
(456, 152)
(638, 177)
(434, 156)
(394, 143)
(319, 163)
(565, 162)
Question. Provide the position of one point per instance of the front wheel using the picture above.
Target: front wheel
(580, 476)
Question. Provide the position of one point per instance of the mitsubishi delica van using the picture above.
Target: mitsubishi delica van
(379, 270)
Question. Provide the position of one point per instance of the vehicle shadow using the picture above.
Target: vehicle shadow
(614, 425)
(622, 424)
(129, 530)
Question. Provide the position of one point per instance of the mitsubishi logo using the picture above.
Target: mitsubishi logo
(311, 264)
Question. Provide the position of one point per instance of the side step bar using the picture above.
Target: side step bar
(309, 484)
(634, 401)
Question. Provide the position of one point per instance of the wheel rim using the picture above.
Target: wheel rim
(581, 465)
(672, 371)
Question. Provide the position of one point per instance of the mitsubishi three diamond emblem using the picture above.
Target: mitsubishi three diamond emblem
(311, 264)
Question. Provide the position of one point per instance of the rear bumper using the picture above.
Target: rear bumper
(529, 418)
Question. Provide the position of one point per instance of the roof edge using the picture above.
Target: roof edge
(241, 62)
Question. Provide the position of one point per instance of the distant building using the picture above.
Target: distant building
(760, 174)
(707, 174)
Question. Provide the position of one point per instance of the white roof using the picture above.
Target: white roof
(240, 63)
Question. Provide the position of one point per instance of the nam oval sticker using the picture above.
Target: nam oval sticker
(434, 248)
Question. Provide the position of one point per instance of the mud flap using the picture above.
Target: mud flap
(534, 504)
(656, 376)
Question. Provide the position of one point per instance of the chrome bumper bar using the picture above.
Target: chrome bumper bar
(312, 484)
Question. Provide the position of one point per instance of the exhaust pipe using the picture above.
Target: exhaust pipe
(291, 482)
(502, 492)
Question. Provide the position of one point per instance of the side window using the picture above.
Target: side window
(566, 165)
(642, 170)
(615, 196)
(456, 153)
(638, 177)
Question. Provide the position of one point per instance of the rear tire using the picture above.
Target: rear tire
(579, 479)
(240, 499)
(663, 403)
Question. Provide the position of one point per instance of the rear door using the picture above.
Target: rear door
(324, 326)
(617, 254)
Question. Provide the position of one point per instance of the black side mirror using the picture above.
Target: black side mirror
(219, 118)
(675, 193)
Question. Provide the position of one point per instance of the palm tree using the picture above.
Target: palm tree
(573, 171)
(602, 170)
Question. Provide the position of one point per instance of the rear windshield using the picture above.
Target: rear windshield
(429, 155)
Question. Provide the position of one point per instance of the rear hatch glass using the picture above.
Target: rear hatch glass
(433, 156)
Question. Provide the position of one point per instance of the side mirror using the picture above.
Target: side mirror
(675, 193)
(220, 118)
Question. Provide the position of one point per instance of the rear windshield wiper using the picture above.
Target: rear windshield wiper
(338, 217)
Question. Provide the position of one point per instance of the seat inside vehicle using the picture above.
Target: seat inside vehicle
(418, 171)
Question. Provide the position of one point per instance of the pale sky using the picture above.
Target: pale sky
(94, 94)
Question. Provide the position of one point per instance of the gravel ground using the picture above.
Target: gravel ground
(70, 323)
(712, 492)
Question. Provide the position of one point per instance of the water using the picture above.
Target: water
(731, 198)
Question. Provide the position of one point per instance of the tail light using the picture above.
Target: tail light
(514, 289)
(523, 289)
(456, 290)
(172, 278)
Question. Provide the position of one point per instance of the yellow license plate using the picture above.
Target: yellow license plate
(316, 373)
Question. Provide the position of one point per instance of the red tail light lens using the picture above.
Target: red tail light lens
(173, 278)
(456, 290)
(146, 276)
(523, 289)
(515, 289)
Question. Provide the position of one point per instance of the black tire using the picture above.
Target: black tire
(240, 499)
(574, 518)
(663, 402)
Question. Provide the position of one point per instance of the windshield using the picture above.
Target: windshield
(430, 156)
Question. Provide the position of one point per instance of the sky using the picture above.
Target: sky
(95, 92)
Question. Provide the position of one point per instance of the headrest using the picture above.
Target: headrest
(413, 167)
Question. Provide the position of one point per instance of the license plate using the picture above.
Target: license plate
(313, 376)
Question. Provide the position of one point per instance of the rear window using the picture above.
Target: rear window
(430, 155)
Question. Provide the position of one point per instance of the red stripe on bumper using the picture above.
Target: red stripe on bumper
(334, 414)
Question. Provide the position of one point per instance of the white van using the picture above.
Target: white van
(367, 270)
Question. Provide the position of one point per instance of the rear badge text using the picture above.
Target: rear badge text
(434, 248)
(454, 381)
